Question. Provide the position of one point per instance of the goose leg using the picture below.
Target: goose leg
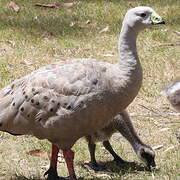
(69, 158)
(93, 163)
(117, 159)
(52, 171)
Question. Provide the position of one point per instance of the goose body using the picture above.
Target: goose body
(74, 94)
(65, 101)
(120, 123)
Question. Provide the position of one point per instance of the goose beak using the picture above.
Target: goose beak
(152, 165)
(156, 19)
(161, 22)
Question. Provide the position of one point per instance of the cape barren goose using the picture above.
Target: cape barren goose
(65, 101)
(172, 92)
(123, 124)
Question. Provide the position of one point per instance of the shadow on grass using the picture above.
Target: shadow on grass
(112, 167)
(129, 167)
(25, 178)
(21, 177)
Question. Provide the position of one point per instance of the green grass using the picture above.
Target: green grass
(36, 36)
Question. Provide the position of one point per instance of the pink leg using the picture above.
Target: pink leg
(54, 156)
(52, 171)
(69, 158)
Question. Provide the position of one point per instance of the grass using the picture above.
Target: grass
(36, 36)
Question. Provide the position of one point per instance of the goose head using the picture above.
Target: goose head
(141, 17)
(147, 155)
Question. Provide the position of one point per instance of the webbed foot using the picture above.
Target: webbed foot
(51, 174)
(120, 162)
(95, 167)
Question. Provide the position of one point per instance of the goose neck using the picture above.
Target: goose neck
(127, 46)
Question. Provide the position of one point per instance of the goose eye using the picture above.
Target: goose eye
(143, 14)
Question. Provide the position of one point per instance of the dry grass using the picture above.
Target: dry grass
(37, 36)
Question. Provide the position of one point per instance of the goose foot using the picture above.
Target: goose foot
(95, 167)
(120, 162)
(51, 174)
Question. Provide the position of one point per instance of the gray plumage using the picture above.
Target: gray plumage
(75, 96)
(67, 100)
